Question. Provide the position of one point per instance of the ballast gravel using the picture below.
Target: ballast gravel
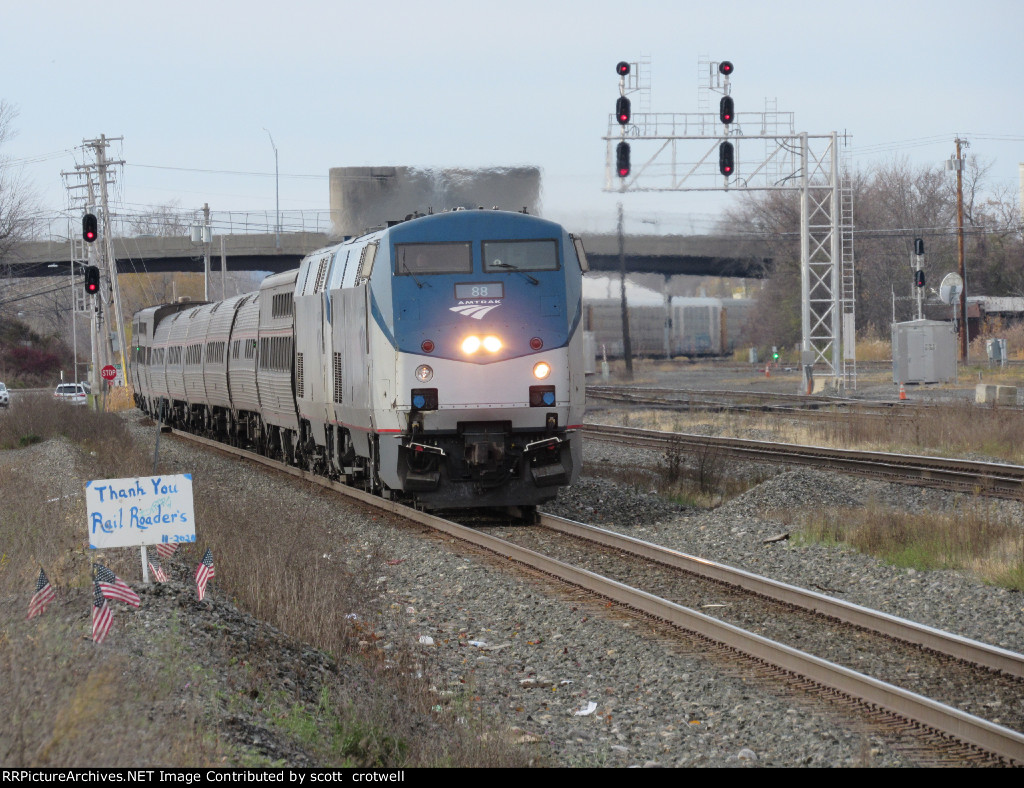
(582, 684)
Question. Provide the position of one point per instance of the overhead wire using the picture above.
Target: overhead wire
(229, 172)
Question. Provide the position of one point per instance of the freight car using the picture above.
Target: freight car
(689, 326)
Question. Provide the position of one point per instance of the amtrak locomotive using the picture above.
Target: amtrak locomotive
(440, 358)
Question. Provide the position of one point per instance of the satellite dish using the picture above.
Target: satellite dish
(951, 288)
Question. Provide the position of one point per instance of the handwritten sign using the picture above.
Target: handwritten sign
(141, 511)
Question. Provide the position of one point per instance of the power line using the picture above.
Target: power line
(228, 172)
(34, 294)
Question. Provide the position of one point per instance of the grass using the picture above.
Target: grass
(69, 702)
(951, 429)
(955, 429)
(975, 539)
(698, 479)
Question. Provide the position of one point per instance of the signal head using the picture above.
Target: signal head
(622, 110)
(725, 68)
(622, 166)
(726, 110)
(92, 279)
(622, 69)
(919, 246)
(726, 159)
(90, 227)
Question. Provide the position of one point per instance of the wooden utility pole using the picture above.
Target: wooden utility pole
(960, 246)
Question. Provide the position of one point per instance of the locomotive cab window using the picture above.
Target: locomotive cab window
(416, 259)
(520, 256)
(581, 254)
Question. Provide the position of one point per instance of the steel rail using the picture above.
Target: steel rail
(939, 717)
(990, 478)
(695, 404)
(965, 649)
(692, 399)
(682, 395)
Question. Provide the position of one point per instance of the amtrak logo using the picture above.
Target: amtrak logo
(475, 309)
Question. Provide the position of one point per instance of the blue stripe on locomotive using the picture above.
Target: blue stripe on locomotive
(409, 313)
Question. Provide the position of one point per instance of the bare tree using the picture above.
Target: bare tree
(163, 220)
(17, 201)
(894, 203)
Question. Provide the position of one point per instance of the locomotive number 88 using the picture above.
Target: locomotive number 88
(440, 358)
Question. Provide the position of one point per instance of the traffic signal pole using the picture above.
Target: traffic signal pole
(627, 347)
(623, 111)
(960, 248)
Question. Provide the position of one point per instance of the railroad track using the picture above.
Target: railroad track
(945, 666)
(936, 719)
(1001, 480)
(715, 400)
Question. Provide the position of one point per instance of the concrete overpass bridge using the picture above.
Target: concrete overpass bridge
(669, 255)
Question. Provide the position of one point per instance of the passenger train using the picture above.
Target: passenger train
(439, 359)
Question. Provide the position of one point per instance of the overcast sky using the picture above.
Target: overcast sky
(193, 87)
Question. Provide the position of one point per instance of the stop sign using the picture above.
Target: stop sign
(109, 372)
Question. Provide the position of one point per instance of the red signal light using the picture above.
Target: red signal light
(725, 68)
(622, 159)
(92, 279)
(90, 227)
(622, 69)
(726, 159)
(726, 110)
(622, 110)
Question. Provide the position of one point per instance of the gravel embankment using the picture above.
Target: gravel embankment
(588, 686)
(734, 534)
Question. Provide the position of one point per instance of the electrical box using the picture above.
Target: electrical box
(923, 351)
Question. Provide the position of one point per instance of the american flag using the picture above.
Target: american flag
(166, 549)
(114, 587)
(42, 597)
(204, 572)
(101, 615)
(157, 570)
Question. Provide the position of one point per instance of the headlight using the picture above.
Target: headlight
(471, 345)
(424, 373)
(541, 370)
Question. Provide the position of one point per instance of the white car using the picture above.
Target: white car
(73, 393)
(5, 397)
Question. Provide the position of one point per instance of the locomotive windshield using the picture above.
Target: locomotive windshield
(521, 255)
(414, 259)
